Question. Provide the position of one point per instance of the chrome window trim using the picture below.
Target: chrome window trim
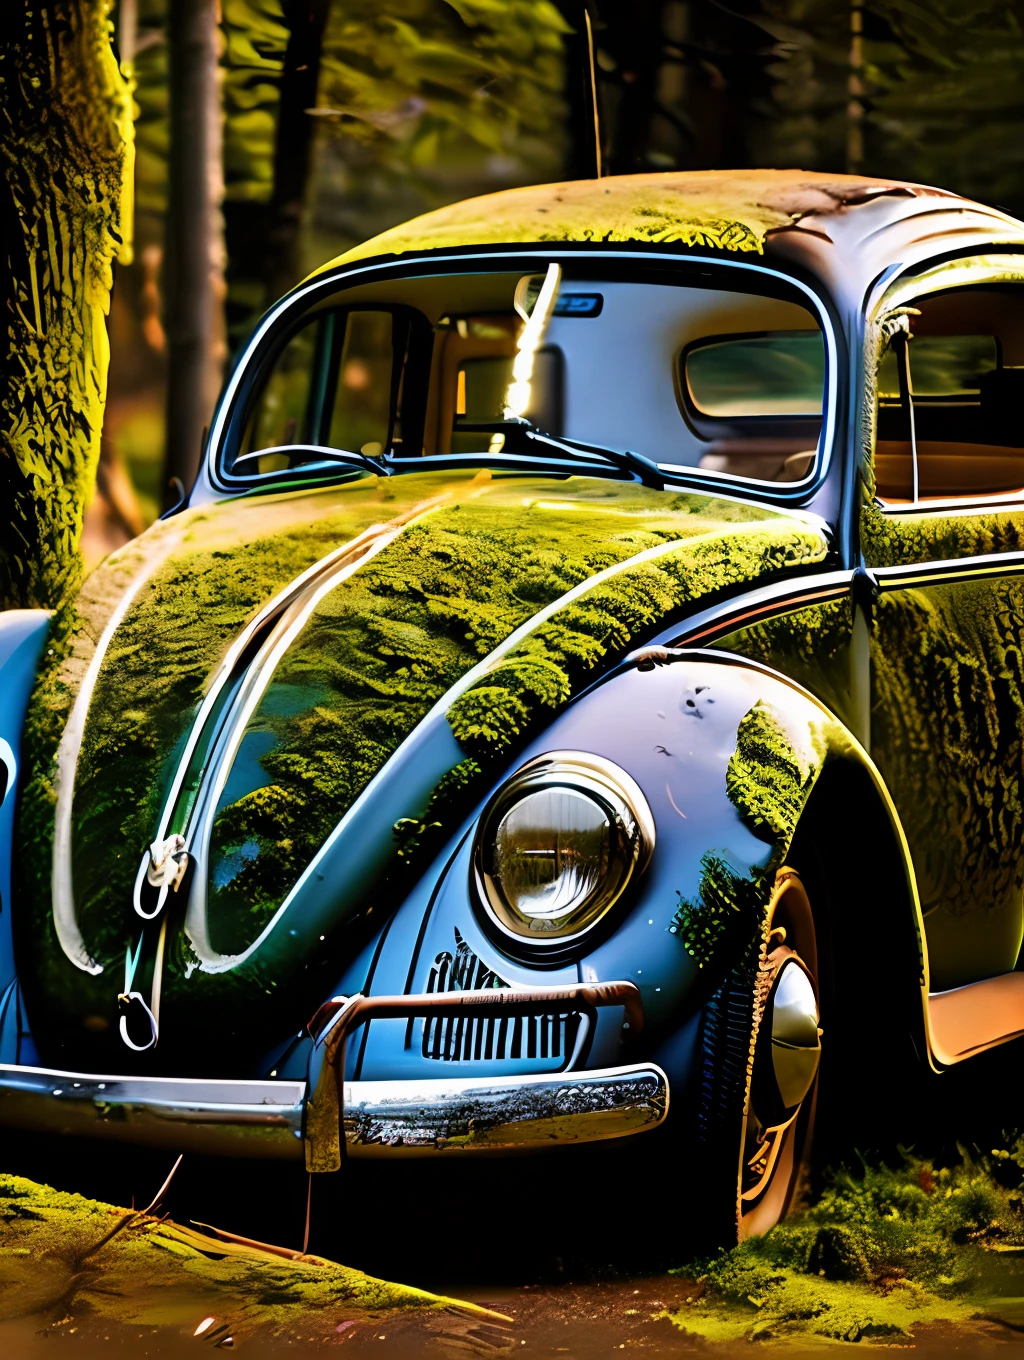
(950, 570)
(800, 491)
(962, 272)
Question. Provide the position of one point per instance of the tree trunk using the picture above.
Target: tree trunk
(194, 251)
(263, 234)
(293, 143)
(65, 210)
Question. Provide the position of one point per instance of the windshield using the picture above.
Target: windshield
(691, 376)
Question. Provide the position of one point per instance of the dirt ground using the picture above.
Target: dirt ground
(597, 1320)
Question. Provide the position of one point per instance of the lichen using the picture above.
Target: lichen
(62, 1254)
(66, 152)
(768, 777)
(881, 1253)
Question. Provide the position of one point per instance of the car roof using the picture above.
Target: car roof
(834, 226)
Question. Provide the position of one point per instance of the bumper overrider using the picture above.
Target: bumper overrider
(290, 1119)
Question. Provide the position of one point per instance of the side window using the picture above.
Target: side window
(757, 400)
(950, 399)
(330, 385)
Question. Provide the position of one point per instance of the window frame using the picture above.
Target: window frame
(692, 270)
(965, 271)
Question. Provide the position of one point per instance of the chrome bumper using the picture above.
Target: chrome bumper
(381, 1118)
(239, 1118)
(479, 1114)
(290, 1119)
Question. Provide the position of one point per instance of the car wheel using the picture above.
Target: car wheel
(760, 1049)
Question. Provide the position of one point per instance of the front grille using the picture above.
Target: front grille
(471, 1038)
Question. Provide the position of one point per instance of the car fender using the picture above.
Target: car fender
(729, 755)
(22, 635)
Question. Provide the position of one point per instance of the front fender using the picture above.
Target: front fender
(22, 634)
(728, 754)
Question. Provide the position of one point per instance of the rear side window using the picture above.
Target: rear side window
(757, 376)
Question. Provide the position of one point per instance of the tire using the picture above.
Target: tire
(760, 1049)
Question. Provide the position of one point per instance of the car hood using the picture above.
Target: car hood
(311, 690)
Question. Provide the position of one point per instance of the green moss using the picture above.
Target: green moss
(54, 1260)
(67, 158)
(727, 905)
(709, 210)
(810, 645)
(892, 540)
(385, 646)
(948, 699)
(880, 1253)
(768, 778)
(209, 574)
(378, 652)
(604, 622)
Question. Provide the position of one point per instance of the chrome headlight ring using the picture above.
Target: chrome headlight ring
(556, 847)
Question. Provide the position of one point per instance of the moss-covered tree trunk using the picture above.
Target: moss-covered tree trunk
(65, 138)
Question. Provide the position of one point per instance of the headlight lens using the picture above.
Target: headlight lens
(557, 845)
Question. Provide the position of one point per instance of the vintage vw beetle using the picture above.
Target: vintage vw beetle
(591, 608)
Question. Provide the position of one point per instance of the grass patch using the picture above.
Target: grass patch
(882, 1252)
(63, 1256)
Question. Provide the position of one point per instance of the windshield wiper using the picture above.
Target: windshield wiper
(319, 454)
(624, 459)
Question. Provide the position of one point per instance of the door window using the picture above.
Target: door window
(950, 412)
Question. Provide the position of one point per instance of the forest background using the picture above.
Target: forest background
(173, 166)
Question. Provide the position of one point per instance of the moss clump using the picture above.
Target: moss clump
(601, 624)
(704, 209)
(727, 904)
(768, 779)
(60, 1253)
(880, 1253)
(388, 643)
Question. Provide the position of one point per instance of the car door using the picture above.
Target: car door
(942, 536)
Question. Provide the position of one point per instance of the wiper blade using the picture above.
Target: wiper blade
(318, 453)
(624, 459)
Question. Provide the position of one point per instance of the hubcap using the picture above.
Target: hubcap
(796, 1043)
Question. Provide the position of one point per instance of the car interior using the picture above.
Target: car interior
(689, 375)
(955, 390)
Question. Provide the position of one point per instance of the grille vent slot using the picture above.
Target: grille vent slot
(473, 1038)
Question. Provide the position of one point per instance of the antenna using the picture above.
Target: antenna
(598, 167)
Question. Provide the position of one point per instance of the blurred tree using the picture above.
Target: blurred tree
(194, 261)
(66, 216)
(942, 91)
(425, 101)
(371, 113)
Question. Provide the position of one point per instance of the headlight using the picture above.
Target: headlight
(557, 845)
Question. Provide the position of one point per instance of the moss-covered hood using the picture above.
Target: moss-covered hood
(244, 672)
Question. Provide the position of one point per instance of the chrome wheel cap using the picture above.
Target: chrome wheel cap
(796, 1041)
